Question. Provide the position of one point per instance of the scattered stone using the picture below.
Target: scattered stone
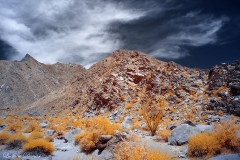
(49, 132)
(106, 155)
(182, 153)
(43, 125)
(181, 134)
(173, 125)
(70, 135)
(102, 142)
(226, 157)
(127, 123)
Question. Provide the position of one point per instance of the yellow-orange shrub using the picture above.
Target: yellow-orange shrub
(164, 134)
(223, 135)
(32, 126)
(36, 135)
(226, 134)
(49, 138)
(153, 113)
(16, 140)
(15, 126)
(41, 144)
(4, 136)
(157, 155)
(128, 151)
(203, 144)
(93, 128)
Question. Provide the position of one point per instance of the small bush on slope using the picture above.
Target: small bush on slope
(32, 126)
(16, 141)
(223, 135)
(40, 146)
(93, 128)
(15, 126)
(4, 136)
(128, 151)
(164, 134)
(153, 113)
(36, 135)
(203, 144)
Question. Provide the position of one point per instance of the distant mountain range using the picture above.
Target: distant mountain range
(124, 78)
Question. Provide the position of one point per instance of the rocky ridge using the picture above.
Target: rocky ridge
(124, 77)
(23, 82)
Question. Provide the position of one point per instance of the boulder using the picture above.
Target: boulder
(71, 134)
(127, 123)
(49, 132)
(181, 134)
(43, 125)
(205, 128)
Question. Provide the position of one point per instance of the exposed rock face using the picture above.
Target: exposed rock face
(224, 86)
(23, 82)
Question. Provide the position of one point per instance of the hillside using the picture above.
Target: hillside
(125, 76)
(23, 82)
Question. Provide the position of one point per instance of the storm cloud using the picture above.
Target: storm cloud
(86, 31)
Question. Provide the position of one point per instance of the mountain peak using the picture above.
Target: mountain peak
(28, 57)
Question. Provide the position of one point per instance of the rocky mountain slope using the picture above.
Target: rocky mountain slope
(122, 81)
(23, 82)
(122, 78)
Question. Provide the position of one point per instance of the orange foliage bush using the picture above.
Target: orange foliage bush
(16, 141)
(203, 144)
(32, 126)
(164, 134)
(39, 144)
(93, 128)
(15, 126)
(4, 136)
(226, 134)
(153, 113)
(223, 135)
(36, 135)
(128, 151)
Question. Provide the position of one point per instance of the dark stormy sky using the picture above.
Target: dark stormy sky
(193, 33)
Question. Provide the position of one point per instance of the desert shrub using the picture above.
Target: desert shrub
(128, 151)
(40, 146)
(36, 135)
(16, 141)
(223, 136)
(226, 134)
(93, 128)
(152, 112)
(49, 138)
(164, 134)
(32, 126)
(4, 136)
(203, 144)
(157, 155)
(15, 126)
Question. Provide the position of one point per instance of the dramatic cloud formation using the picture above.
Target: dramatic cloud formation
(88, 30)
